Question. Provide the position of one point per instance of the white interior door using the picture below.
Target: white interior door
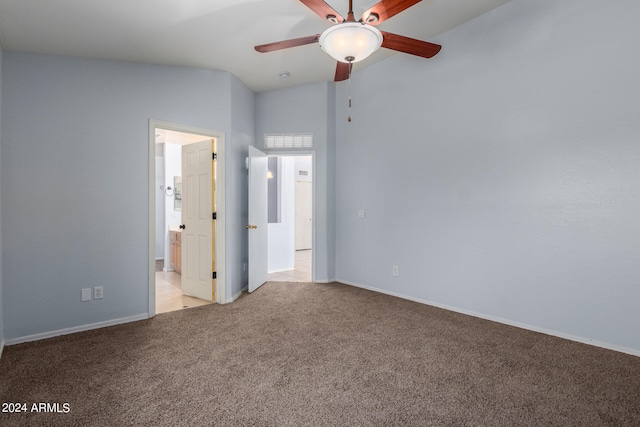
(304, 215)
(257, 226)
(196, 254)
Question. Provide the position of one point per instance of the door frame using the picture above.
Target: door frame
(219, 255)
(305, 153)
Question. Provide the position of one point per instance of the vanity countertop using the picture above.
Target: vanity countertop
(174, 227)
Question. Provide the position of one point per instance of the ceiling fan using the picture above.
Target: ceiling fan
(350, 41)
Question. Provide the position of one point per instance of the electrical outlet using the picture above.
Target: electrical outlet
(98, 292)
(86, 294)
(362, 213)
(395, 270)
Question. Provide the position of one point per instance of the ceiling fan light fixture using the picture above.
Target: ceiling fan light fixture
(353, 40)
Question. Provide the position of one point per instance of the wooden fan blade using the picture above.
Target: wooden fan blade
(385, 9)
(409, 45)
(342, 71)
(323, 10)
(270, 47)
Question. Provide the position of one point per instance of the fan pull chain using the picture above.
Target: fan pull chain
(349, 116)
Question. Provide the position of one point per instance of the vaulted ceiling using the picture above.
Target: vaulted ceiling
(212, 34)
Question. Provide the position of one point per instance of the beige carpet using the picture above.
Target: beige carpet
(294, 354)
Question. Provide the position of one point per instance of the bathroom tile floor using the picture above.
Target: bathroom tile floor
(169, 296)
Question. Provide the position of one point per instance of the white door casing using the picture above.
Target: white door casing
(257, 225)
(197, 205)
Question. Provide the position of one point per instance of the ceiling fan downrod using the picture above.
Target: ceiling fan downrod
(350, 16)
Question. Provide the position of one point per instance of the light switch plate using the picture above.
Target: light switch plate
(86, 294)
(362, 213)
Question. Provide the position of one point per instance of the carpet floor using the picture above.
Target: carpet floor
(294, 354)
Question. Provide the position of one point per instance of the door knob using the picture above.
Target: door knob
(182, 226)
(248, 227)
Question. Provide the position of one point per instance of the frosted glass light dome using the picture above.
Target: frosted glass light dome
(350, 41)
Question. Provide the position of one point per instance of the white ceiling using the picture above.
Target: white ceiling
(213, 34)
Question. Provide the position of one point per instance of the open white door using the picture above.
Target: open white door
(257, 226)
(197, 173)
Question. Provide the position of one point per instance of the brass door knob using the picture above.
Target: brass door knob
(248, 227)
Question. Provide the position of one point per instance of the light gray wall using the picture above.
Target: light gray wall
(330, 184)
(75, 153)
(502, 176)
(308, 108)
(1, 251)
(243, 119)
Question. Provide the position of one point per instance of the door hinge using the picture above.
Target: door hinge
(213, 276)
(214, 156)
(214, 216)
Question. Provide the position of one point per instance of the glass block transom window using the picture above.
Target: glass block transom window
(288, 140)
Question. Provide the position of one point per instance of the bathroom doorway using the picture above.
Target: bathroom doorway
(290, 218)
(172, 260)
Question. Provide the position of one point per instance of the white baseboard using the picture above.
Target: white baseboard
(73, 330)
(1, 348)
(609, 346)
(280, 271)
(236, 296)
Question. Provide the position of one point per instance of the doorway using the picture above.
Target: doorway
(168, 201)
(290, 217)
